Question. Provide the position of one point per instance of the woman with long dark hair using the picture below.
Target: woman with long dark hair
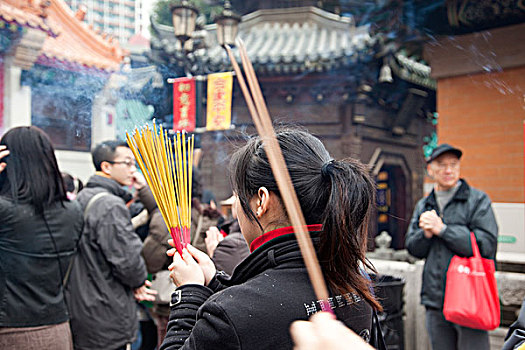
(39, 229)
(270, 289)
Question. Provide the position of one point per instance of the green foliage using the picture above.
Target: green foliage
(431, 141)
(163, 14)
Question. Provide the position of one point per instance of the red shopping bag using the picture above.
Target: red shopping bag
(471, 293)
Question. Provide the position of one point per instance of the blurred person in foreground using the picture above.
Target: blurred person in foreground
(269, 289)
(440, 228)
(324, 332)
(39, 230)
(108, 272)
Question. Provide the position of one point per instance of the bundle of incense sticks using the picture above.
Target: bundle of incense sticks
(167, 168)
(263, 124)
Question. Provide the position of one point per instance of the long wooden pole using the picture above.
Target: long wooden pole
(263, 124)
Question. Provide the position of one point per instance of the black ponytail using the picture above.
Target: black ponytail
(346, 216)
(337, 194)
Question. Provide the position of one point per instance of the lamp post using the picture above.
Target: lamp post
(184, 17)
(227, 25)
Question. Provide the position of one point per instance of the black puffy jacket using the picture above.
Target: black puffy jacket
(468, 210)
(31, 291)
(267, 292)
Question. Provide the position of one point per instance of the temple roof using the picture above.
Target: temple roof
(25, 15)
(290, 41)
(70, 44)
(283, 41)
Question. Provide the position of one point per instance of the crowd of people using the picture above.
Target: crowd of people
(75, 258)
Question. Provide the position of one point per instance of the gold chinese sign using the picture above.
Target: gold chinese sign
(220, 86)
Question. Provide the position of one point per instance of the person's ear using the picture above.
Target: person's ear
(105, 167)
(263, 201)
(430, 170)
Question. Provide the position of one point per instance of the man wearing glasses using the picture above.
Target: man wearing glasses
(108, 271)
(440, 228)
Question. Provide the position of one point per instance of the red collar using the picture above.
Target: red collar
(268, 236)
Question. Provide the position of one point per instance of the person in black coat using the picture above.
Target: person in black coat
(39, 231)
(254, 308)
(439, 229)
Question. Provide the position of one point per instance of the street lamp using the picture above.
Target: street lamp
(227, 25)
(184, 17)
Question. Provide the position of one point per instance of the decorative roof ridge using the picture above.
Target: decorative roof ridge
(94, 41)
(413, 71)
(306, 14)
(413, 65)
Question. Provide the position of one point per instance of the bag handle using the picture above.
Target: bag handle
(475, 248)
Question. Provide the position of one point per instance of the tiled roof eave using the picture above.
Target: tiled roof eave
(10, 14)
(73, 66)
(406, 69)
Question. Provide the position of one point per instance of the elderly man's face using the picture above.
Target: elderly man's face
(445, 171)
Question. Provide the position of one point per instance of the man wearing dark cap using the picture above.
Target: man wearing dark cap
(440, 228)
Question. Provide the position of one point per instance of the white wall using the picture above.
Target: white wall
(78, 164)
(17, 98)
(511, 222)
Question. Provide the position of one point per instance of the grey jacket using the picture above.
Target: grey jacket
(106, 270)
(469, 210)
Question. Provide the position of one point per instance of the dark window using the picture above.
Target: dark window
(67, 120)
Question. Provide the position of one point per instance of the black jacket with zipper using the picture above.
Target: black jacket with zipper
(267, 292)
(468, 210)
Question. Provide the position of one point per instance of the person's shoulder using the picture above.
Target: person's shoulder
(478, 194)
(234, 239)
(88, 193)
(72, 206)
(421, 203)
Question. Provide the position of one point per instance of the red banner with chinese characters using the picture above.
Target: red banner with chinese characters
(184, 104)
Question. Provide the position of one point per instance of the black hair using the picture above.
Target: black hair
(72, 183)
(32, 174)
(337, 194)
(105, 151)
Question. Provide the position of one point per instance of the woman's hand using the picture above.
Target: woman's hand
(144, 293)
(205, 263)
(4, 152)
(185, 270)
(203, 260)
(213, 237)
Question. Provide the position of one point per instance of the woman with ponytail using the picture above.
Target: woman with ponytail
(39, 230)
(253, 309)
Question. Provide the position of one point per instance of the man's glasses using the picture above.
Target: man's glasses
(128, 162)
(443, 166)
